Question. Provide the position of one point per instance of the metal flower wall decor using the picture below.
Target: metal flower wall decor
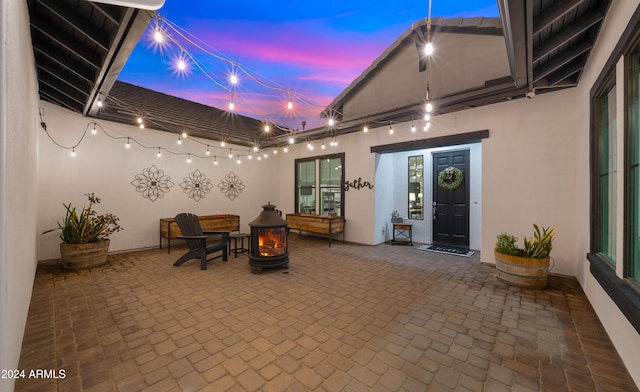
(231, 185)
(152, 183)
(196, 185)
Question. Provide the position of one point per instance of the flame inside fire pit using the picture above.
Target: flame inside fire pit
(271, 241)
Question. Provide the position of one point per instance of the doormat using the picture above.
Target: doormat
(449, 250)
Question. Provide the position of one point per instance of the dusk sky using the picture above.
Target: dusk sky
(309, 50)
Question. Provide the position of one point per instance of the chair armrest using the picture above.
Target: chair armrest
(192, 237)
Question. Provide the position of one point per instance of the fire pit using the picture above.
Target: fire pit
(268, 240)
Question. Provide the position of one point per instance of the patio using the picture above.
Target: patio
(349, 317)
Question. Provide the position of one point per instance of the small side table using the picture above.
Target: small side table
(402, 234)
(235, 237)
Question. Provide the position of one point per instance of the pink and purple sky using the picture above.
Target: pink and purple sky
(309, 50)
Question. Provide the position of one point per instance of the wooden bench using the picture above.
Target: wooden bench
(319, 224)
(223, 222)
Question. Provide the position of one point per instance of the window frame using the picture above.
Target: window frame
(318, 185)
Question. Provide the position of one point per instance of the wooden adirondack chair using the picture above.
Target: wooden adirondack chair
(197, 241)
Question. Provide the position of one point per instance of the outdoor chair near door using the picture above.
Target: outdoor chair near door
(196, 239)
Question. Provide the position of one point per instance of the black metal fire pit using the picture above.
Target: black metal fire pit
(268, 240)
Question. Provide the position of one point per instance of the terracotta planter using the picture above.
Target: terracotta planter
(522, 271)
(81, 256)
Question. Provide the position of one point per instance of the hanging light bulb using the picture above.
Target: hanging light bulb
(188, 158)
(365, 129)
(413, 127)
(141, 126)
(275, 152)
(427, 126)
(427, 117)
(208, 152)
(230, 153)
(128, 145)
(157, 35)
(292, 140)
(289, 104)
(429, 107)
(233, 79)
(139, 120)
(331, 122)
(94, 130)
(428, 49)
(335, 142)
(255, 148)
(232, 105)
(159, 153)
(179, 140)
(215, 161)
(267, 128)
(390, 130)
(285, 149)
(73, 152)
(182, 65)
(238, 161)
(322, 146)
(222, 143)
(259, 158)
(99, 103)
(310, 146)
(249, 156)
(184, 134)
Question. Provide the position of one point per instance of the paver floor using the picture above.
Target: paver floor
(345, 318)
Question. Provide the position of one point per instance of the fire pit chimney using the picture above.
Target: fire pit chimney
(268, 240)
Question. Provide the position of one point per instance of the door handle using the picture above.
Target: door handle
(434, 209)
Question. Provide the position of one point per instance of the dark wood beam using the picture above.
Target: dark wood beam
(73, 83)
(82, 25)
(109, 13)
(74, 68)
(460, 138)
(514, 21)
(564, 73)
(75, 102)
(553, 15)
(561, 60)
(579, 26)
(60, 37)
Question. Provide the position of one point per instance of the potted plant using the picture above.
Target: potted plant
(395, 217)
(85, 236)
(528, 266)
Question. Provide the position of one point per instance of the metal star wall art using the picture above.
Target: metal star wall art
(231, 185)
(152, 183)
(197, 185)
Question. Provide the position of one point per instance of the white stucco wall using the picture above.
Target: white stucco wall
(18, 180)
(621, 332)
(104, 166)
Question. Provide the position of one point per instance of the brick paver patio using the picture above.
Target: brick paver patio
(345, 318)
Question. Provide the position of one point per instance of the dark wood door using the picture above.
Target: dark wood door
(451, 207)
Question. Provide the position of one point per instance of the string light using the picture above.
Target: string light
(413, 127)
(285, 149)
(429, 107)
(179, 140)
(222, 144)
(94, 131)
(99, 103)
(189, 158)
(208, 152)
(141, 126)
(322, 146)
(184, 134)
(267, 128)
(427, 117)
(365, 129)
(331, 122)
(159, 153)
(390, 130)
(292, 140)
(238, 161)
(139, 120)
(289, 104)
(255, 148)
(230, 153)
(215, 161)
(128, 145)
(249, 156)
(427, 126)
(232, 105)
(233, 79)
(73, 152)
(428, 49)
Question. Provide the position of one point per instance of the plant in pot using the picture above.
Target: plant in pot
(85, 236)
(528, 266)
(395, 217)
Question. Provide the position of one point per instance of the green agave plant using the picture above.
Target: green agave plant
(88, 226)
(537, 247)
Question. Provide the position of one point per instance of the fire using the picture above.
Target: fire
(270, 243)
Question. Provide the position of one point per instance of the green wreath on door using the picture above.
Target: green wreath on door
(450, 178)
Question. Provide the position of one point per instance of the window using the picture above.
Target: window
(633, 165)
(605, 108)
(416, 187)
(320, 185)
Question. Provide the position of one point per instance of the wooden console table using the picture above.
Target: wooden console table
(169, 228)
(402, 234)
(319, 224)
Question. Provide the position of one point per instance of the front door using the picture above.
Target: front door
(451, 207)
